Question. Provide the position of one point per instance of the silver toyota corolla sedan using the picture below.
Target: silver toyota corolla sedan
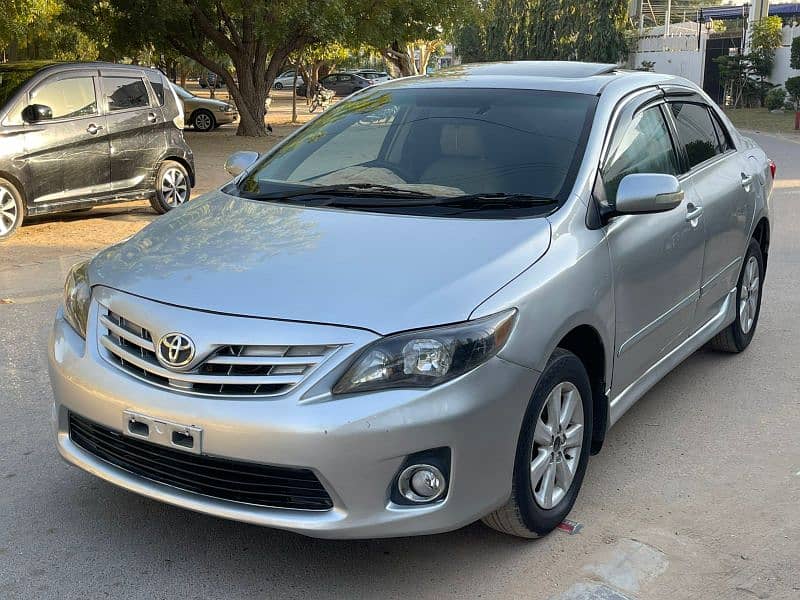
(424, 308)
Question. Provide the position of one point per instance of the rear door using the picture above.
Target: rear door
(723, 183)
(135, 128)
(67, 156)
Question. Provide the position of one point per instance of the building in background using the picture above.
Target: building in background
(681, 41)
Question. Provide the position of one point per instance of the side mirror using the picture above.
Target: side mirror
(648, 193)
(33, 113)
(240, 161)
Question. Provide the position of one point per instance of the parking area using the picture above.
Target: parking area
(695, 495)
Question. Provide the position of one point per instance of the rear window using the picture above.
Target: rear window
(695, 131)
(125, 92)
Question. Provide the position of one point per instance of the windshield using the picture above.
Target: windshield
(442, 143)
(185, 94)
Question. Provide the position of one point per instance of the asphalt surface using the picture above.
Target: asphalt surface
(695, 495)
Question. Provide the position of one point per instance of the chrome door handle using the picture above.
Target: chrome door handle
(747, 180)
(694, 212)
(151, 117)
(93, 129)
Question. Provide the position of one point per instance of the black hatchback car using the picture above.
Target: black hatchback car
(74, 135)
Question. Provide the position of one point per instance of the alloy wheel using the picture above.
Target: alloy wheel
(748, 296)
(557, 441)
(174, 189)
(8, 211)
(203, 122)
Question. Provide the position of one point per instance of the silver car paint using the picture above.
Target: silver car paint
(559, 273)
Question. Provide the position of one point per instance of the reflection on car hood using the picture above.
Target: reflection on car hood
(375, 271)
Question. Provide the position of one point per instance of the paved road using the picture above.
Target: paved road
(696, 494)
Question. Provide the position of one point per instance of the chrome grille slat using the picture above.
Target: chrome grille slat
(229, 370)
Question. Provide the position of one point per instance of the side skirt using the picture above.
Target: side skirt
(620, 404)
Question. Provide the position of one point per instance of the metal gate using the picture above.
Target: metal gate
(717, 46)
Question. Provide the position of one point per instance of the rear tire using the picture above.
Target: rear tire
(12, 210)
(172, 187)
(738, 335)
(554, 451)
(203, 120)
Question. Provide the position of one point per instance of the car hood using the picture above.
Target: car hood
(375, 271)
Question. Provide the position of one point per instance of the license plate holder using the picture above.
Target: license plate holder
(188, 438)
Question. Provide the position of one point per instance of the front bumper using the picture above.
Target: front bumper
(223, 118)
(355, 445)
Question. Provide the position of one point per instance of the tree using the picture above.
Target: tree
(546, 29)
(765, 39)
(407, 33)
(246, 43)
(794, 61)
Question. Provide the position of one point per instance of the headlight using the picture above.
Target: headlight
(77, 296)
(227, 108)
(427, 357)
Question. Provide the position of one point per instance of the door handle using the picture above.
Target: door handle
(694, 212)
(747, 180)
(151, 117)
(93, 129)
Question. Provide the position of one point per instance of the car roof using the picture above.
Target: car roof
(42, 65)
(567, 76)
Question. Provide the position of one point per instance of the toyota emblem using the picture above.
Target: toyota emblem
(175, 350)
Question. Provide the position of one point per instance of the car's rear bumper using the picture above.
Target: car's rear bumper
(354, 445)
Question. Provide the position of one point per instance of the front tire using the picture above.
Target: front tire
(204, 121)
(172, 187)
(738, 335)
(552, 451)
(11, 209)
(279, 86)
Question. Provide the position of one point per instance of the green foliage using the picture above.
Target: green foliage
(765, 39)
(793, 88)
(776, 98)
(593, 30)
(794, 61)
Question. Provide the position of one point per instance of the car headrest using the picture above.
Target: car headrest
(461, 140)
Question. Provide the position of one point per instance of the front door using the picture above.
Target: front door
(67, 156)
(656, 258)
(135, 128)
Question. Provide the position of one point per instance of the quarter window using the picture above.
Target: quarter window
(68, 98)
(695, 131)
(125, 92)
(644, 146)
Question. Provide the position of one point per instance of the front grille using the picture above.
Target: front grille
(237, 481)
(229, 370)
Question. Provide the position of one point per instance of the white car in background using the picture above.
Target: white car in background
(286, 79)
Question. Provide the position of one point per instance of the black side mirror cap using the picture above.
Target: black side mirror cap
(33, 113)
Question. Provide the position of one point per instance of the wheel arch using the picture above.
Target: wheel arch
(180, 160)
(585, 342)
(19, 187)
(761, 234)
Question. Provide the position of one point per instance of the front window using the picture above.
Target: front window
(68, 98)
(182, 93)
(437, 143)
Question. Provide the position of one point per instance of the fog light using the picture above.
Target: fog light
(421, 483)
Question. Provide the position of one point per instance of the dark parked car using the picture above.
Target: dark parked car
(343, 84)
(74, 135)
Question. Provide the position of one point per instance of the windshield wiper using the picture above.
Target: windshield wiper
(345, 189)
(488, 201)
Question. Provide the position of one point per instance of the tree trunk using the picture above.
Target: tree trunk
(400, 63)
